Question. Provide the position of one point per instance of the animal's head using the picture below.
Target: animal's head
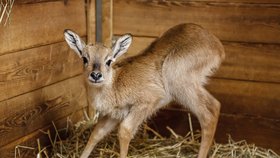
(97, 58)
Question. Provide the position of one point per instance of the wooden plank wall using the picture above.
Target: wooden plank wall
(39, 75)
(248, 82)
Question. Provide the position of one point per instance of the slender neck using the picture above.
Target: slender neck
(93, 90)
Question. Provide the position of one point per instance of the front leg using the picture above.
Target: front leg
(130, 124)
(102, 128)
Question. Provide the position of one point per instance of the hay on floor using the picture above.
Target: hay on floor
(144, 145)
(5, 10)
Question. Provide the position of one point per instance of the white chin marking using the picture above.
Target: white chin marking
(96, 83)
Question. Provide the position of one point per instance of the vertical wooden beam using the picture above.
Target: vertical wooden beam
(90, 21)
(107, 22)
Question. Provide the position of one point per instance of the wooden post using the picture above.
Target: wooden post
(91, 21)
(107, 22)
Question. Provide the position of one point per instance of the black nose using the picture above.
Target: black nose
(96, 76)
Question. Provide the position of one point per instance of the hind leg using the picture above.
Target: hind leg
(206, 108)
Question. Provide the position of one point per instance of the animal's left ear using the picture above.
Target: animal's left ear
(121, 46)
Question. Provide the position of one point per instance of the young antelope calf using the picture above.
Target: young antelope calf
(173, 68)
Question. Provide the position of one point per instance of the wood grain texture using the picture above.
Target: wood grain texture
(30, 140)
(252, 62)
(91, 20)
(258, 130)
(245, 22)
(34, 68)
(168, 1)
(210, 1)
(247, 98)
(23, 114)
(32, 25)
(19, 2)
(107, 22)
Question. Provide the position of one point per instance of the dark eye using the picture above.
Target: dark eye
(85, 60)
(108, 63)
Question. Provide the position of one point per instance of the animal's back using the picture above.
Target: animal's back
(191, 54)
(182, 42)
(185, 52)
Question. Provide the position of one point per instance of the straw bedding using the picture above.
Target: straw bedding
(146, 144)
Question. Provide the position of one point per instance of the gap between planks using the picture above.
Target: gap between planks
(41, 87)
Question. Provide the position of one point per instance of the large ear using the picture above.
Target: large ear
(121, 46)
(75, 42)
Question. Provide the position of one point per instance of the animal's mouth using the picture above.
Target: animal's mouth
(95, 81)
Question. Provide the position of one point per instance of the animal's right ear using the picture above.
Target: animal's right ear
(75, 42)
